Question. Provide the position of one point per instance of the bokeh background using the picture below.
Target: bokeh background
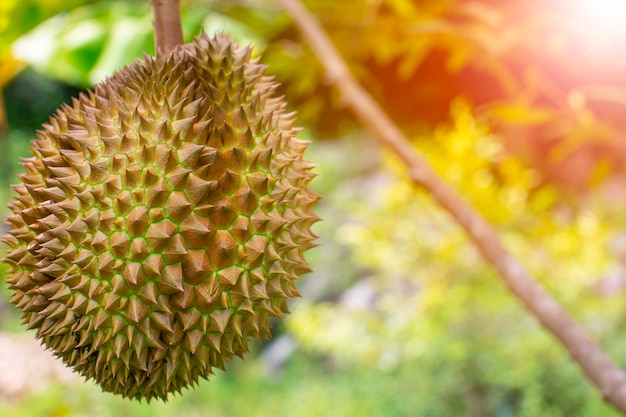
(519, 104)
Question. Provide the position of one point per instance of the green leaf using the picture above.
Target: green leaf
(89, 43)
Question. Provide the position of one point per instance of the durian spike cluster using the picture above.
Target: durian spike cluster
(162, 220)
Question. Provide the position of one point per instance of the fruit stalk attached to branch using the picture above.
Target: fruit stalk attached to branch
(168, 31)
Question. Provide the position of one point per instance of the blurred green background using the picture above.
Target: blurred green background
(519, 105)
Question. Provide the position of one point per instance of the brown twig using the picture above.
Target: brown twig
(600, 369)
(168, 31)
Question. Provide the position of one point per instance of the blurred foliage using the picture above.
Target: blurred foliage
(514, 103)
(426, 298)
(533, 72)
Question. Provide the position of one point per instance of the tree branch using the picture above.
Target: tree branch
(168, 32)
(598, 367)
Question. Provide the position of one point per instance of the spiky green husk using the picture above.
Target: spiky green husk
(162, 220)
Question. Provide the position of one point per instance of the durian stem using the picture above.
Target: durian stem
(599, 368)
(168, 30)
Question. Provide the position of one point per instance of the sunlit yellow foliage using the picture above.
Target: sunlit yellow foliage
(429, 279)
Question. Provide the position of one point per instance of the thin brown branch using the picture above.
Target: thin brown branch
(168, 31)
(600, 369)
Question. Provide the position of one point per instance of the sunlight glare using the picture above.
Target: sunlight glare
(602, 17)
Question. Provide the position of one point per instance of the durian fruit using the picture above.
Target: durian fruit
(162, 220)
